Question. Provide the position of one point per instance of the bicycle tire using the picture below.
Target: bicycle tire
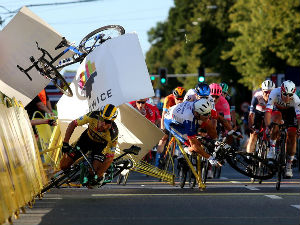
(54, 76)
(182, 177)
(86, 49)
(57, 182)
(204, 170)
(245, 163)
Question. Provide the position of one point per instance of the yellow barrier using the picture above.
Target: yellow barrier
(21, 172)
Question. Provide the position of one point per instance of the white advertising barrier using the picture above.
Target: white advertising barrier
(116, 72)
(17, 43)
(134, 129)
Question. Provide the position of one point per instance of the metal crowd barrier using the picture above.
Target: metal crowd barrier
(21, 172)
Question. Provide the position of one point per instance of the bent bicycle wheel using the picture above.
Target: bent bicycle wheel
(99, 36)
(247, 164)
(51, 73)
(62, 178)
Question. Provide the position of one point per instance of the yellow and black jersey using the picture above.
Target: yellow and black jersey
(108, 138)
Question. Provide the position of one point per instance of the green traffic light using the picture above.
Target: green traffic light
(201, 79)
(152, 77)
(163, 80)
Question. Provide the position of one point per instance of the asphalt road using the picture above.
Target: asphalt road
(232, 199)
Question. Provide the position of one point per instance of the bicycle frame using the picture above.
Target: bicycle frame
(198, 176)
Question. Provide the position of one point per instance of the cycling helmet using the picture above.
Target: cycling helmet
(298, 93)
(267, 85)
(202, 106)
(179, 92)
(202, 89)
(215, 89)
(224, 87)
(108, 112)
(288, 87)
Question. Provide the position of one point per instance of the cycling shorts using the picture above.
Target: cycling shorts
(177, 130)
(86, 144)
(288, 116)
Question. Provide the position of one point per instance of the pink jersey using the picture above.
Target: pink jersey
(223, 107)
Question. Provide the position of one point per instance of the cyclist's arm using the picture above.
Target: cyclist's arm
(41, 106)
(70, 131)
(196, 146)
(224, 122)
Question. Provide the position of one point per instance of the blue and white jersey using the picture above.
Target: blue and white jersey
(191, 96)
(182, 117)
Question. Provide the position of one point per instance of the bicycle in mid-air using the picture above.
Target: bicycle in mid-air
(79, 171)
(48, 66)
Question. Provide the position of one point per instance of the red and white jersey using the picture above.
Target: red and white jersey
(275, 100)
(258, 102)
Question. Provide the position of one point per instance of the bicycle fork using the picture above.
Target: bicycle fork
(198, 177)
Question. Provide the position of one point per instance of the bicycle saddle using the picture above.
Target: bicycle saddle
(133, 150)
(62, 43)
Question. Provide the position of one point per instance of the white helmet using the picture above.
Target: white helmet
(267, 85)
(288, 87)
(202, 106)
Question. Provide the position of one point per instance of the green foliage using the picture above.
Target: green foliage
(245, 40)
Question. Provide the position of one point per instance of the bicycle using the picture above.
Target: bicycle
(80, 170)
(48, 66)
(243, 162)
(280, 155)
(262, 146)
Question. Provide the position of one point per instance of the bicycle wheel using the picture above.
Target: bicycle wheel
(246, 164)
(98, 36)
(62, 177)
(204, 170)
(182, 176)
(51, 73)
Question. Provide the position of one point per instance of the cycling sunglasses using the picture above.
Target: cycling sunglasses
(206, 114)
(215, 96)
(107, 121)
(267, 92)
(140, 102)
(286, 94)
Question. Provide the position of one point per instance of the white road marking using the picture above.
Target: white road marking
(296, 206)
(252, 188)
(273, 196)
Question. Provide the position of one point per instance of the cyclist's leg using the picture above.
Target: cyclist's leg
(289, 117)
(258, 123)
(70, 157)
(276, 118)
(101, 166)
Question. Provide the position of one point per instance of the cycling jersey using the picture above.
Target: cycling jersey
(191, 96)
(258, 103)
(275, 102)
(180, 121)
(104, 140)
(222, 107)
(169, 102)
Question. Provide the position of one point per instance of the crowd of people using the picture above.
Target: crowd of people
(206, 109)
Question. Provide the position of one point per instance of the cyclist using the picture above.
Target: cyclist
(100, 137)
(221, 104)
(173, 99)
(225, 94)
(183, 120)
(257, 112)
(286, 105)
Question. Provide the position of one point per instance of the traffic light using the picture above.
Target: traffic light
(152, 78)
(201, 74)
(163, 76)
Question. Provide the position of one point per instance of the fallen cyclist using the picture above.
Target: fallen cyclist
(100, 138)
(183, 120)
